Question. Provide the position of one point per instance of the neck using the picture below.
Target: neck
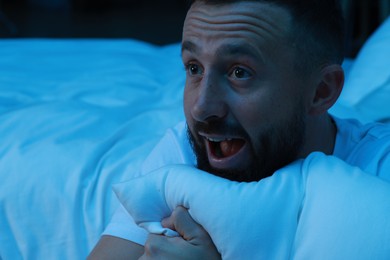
(321, 135)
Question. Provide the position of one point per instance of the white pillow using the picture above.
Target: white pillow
(285, 215)
(367, 87)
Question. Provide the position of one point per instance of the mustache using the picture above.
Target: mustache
(219, 127)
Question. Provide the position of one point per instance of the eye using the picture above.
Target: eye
(240, 73)
(193, 69)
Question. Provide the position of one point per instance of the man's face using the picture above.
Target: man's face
(243, 101)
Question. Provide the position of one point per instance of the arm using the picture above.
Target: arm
(110, 247)
(194, 243)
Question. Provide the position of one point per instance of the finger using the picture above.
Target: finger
(153, 245)
(168, 222)
(183, 223)
(194, 242)
(161, 247)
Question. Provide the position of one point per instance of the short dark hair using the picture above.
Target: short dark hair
(317, 32)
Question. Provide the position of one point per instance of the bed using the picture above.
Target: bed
(77, 116)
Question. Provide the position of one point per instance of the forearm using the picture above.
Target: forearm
(110, 247)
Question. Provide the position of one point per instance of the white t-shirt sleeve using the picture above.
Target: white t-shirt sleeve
(122, 225)
(384, 166)
(365, 146)
(173, 148)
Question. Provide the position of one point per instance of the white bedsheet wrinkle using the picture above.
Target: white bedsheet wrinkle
(366, 89)
(76, 117)
(372, 60)
(375, 100)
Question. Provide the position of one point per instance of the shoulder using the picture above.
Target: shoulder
(173, 148)
(358, 131)
(364, 145)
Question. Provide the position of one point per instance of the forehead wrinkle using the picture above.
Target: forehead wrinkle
(241, 49)
(246, 20)
(226, 50)
(195, 32)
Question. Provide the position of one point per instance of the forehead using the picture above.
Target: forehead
(252, 22)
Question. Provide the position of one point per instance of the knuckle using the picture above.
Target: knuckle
(178, 212)
(175, 214)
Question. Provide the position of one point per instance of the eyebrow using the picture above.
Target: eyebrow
(227, 50)
(189, 46)
(239, 49)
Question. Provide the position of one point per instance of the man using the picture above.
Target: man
(261, 76)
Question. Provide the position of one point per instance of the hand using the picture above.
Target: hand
(193, 243)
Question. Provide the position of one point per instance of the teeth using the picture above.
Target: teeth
(217, 140)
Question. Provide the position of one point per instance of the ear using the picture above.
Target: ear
(328, 89)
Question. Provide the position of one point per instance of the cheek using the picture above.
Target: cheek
(187, 104)
(257, 113)
(252, 110)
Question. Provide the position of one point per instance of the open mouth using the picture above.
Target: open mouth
(223, 148)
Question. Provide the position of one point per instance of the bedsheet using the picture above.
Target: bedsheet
(77, 116)
(74, 117)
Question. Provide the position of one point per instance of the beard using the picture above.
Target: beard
(277, 147)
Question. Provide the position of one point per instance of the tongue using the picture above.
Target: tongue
(229, 148)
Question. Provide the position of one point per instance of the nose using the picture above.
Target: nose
(210, 100)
